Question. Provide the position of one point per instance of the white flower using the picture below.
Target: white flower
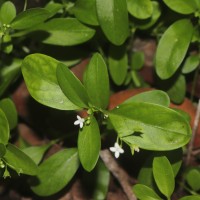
(117, 150)
(80, 121)
(137, 149)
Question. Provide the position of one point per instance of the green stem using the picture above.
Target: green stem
(25, 5)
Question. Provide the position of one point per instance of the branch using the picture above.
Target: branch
(118, 173)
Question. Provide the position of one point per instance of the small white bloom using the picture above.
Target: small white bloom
(117, 150)
(80, 121)
(137, 149)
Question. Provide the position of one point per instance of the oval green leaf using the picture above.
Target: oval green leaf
(85, 11)
(2, 150)
(143, 124)
(182, 6)
(55, 172)
(72, 86)
(137, 60)
(30, 18)
(113, 19)
(141, 9)
(4, 128)
(145, 193)
(118, 63)
(163, 175)
(193, 179)
(10, 111)
(7, 12)
(154, 96)
(172, 48)
(96, 81)
(192, 197)
(39, 73)
(19, 161)
(89, 144)
(66, 32)
(36, 152)
(191, 63)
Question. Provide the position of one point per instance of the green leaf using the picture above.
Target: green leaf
(66, 32)
(191, 197)
(89, 144)
(7, 46)
(182, 6)
(168, 61)
(154, 96)
(36, 152)
(193, 179)
(178, 89)
(7, 12)
(102, 176)
(96, 81)
(85, 11)
(72, 86)
(8, 74)
(53, 8)
(144, 124)
(39, 72)
(137, 60)
(55, 172)
(141, 9)
(191, 63)
(145, 193)
(4, 128)
(10, 111)
(118, 63)
(30, 18)
(113, 19)
(19, 161)
(146, 172)
(163, 175)
(145, 24)
(2, 150)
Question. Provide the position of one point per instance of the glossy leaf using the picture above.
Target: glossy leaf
(145, 193)
(55, 172)
(36, 152)
(85, 11)
(66, 32)
(2, 150)
(182, 6)
(72, 86)
(172, 48)
(30, 18)
(191, 63)
(10, 111)
(53, 8)
(89, 144)
(7, 12)
(193, 179)
(153, 19)
(4, 128)
(141, 9)
(163, 175)
(19, 161)
(39, 72)
(178, 89)
(113, 19)
(8, 74)
(146, 172)
(191, 197)
(137, 60)
(97, 81)
(143, 124)
(154, 96)
(118, 63)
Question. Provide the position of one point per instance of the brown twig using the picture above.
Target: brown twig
(118, 173)
(194, 131)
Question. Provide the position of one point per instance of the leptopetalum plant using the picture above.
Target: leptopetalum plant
(45, 42)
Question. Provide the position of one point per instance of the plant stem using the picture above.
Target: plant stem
(25, 5)
(118, 173)
(194, 131)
